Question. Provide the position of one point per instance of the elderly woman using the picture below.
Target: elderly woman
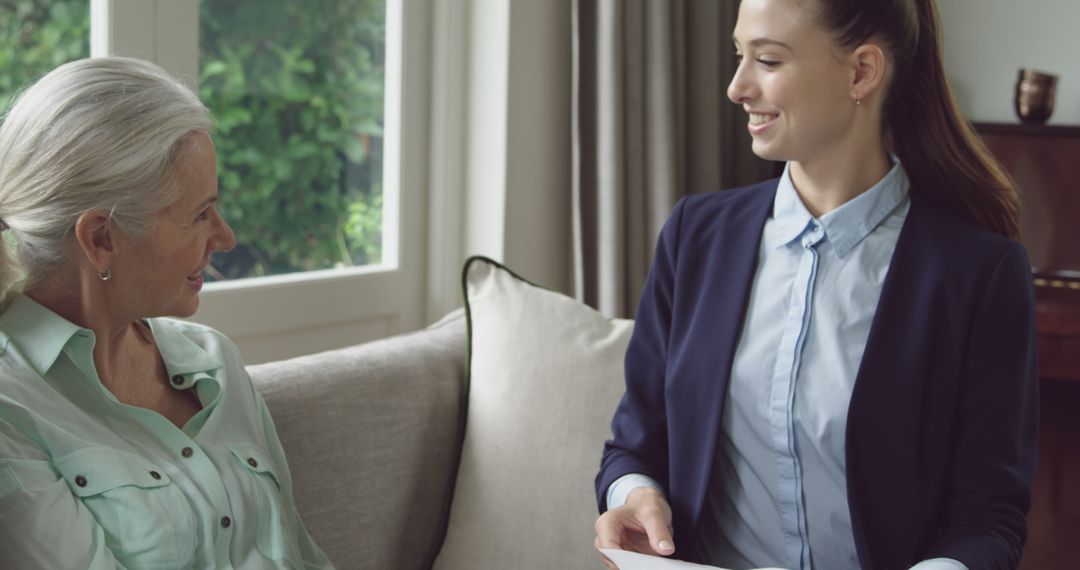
(127, 438)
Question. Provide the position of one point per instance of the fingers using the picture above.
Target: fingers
(642, 525)
(658, 528)
(608, 531)
(654, 515)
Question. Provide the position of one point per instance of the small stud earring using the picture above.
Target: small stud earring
(858, 101)
(105, 275)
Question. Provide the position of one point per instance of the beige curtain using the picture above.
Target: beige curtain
(651, 123)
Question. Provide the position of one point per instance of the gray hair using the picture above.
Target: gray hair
(100, 133)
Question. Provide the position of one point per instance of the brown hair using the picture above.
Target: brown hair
(945, 160)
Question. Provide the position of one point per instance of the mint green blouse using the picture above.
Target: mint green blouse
(89, 482)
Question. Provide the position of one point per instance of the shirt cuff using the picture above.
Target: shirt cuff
(936, 564)
(620, 489)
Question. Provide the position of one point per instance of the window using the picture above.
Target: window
(331, 275)
(37, 36)
(296, 90)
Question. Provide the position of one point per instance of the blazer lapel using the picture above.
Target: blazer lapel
(718, 266)
(886, 416)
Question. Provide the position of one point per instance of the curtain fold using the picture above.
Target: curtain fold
(651, 123)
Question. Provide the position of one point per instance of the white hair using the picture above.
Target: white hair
(93, 134)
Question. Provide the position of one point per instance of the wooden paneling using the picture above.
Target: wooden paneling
(1045, 162)
(1054, 522)
(1057, 312)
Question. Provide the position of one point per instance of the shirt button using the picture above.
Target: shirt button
(177, 380)
(80, 481)
(155, 475)
(252, 462)
(187, 452)
(226, 522)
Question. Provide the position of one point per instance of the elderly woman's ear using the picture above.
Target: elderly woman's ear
(97, 239)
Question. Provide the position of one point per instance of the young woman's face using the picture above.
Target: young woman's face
(792, 80)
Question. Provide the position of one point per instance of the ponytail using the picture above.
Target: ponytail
(946, 162)
(10, 271)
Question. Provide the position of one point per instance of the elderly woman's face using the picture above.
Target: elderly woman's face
(165, 268)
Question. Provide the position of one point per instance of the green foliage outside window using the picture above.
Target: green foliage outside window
(36, 36)
(297, 93)
(296, 89)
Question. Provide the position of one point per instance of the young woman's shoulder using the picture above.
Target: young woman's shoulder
(954, 245)
(724, 206)
(734, 197)
(952, 231)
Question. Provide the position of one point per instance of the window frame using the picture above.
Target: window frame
(276, 317)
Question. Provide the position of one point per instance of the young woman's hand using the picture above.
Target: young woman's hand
(641, 525)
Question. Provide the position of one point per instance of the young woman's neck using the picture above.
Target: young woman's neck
(831, 179)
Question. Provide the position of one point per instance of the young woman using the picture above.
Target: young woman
(835, 369)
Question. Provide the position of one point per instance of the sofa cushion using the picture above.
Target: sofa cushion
(372, 433)
(545, 376)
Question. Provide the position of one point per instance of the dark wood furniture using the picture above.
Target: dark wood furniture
(1045, 162)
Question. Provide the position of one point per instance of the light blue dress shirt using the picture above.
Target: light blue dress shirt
(778, 496)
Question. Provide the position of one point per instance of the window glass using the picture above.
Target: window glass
(296, 89)
(38, 35)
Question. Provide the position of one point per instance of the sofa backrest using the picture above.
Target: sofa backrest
(372, 435)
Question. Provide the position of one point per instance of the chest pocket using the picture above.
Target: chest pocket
(146, 519)
(275, 535)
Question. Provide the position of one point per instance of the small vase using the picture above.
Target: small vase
(1035, 93)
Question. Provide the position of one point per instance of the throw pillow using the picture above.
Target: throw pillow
(546, 373)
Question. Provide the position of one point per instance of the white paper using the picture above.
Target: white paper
(627, 560)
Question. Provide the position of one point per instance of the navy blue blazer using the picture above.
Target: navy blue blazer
(942, 424)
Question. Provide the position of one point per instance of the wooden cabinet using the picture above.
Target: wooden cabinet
(1045, 162)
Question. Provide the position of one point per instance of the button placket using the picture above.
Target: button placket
(197, 465)
(782, 398)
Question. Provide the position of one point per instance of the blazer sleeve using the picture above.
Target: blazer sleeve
(984, 523)
(639, 427)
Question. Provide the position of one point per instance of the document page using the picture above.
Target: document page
(627, 560)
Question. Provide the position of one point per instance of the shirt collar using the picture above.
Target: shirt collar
(182, 355)
(41, 336)
(39, 333)
(790, 213)
(847, 225)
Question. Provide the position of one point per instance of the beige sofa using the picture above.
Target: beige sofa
(373, 435)
(401, 459)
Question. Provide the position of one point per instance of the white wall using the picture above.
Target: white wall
(988, 41)
(517, 168)
(500, 176)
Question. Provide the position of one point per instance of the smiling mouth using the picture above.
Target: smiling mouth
(197, 277)
(757, 119)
